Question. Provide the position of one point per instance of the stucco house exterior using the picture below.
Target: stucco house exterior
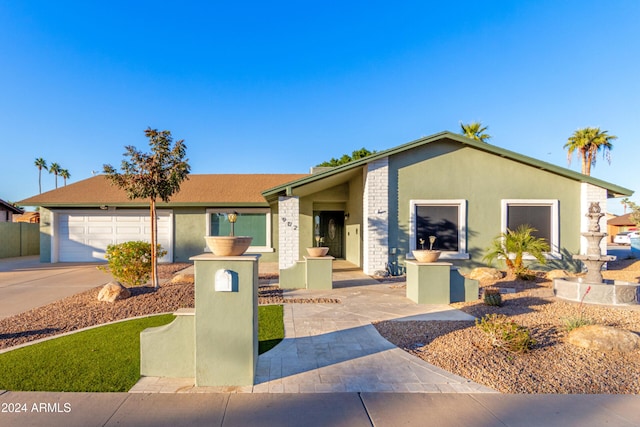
(8, 211)
(370, 212)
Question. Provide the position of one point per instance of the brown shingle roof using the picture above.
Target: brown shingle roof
(197, 190)
(621, 220)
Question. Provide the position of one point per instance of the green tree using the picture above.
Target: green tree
(635, 212)
(55, 169)
(355, 155)
(154, 176)
(512, 247)
(64, 173)
(587, 142)
(475, 130)
(40, 164)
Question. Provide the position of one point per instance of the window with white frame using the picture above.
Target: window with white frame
(254, 222)
(445, 219)
(542, 215)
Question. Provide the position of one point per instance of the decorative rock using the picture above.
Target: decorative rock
(113, 291)
(554, 274)
(604, 338)
(183, 278)
(485, 273)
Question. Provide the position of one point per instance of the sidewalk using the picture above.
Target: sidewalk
(311, 410)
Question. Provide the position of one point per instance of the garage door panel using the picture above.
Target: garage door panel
(85, 237)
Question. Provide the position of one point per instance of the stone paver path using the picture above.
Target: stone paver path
(335, 348)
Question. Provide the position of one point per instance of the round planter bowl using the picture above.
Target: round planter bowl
(319, 251)
(228, 245)
(426, 255)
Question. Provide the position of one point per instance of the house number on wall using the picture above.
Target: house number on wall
(289, 223)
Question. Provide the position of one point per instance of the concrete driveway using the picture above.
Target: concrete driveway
(25, 283)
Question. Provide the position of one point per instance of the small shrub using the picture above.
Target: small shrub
(506, 334)
(492, 297)
(130, 262)
(574, 322)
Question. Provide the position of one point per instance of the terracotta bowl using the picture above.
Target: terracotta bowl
(425, 255)
(319, 251)
(228, 245)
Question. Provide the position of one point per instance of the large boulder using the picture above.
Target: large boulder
(183, 278)
(485, 273)
(555, 274)
(113, 291)
(604, 338)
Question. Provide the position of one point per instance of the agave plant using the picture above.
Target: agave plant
(512, 246)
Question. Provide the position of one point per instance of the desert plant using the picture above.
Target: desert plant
(492, 297)
(506, 334)
(130, 262)
(512, 247)
(574, 322)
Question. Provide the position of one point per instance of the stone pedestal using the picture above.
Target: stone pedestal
(428, 282)
(318, 272)
(226, 323)
(217, 343)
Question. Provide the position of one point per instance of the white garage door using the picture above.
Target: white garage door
(83, 236)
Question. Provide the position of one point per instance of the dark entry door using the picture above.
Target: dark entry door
(331, 229)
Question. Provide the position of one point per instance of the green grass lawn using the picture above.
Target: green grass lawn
(104, 359)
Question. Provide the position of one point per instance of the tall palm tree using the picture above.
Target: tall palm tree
(55, 169)
(64, 173)
(40, 164)
(475, 130)
(587, 142)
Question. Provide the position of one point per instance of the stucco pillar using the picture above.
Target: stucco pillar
(288, 231)
(376, 216)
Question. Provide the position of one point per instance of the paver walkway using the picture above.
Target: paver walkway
(335, 348)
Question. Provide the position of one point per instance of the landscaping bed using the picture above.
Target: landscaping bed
(552, 366)
(84, 310)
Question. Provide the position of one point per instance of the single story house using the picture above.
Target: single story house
(8, 211)
(620, 224)
(370, 212)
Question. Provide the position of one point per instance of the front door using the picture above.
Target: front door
(329, 225)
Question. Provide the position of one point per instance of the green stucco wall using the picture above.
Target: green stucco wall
(189, 225)
(19, 239)
(345, 197)
(446, 170)
(46, 229)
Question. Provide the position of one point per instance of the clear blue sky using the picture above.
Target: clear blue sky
(279, 86)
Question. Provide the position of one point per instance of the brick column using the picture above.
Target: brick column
(376, 216)
(288, 231)
(590, 193)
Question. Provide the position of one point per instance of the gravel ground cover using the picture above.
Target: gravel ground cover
(552, 366)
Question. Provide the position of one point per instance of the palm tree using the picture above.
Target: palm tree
(475, 130)
(64, 173)
(513, 245)
(40, 164)
(588, 141)
(55, 169)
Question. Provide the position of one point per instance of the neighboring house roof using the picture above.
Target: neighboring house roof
(621, 221)
(612, 189)
(198, 190)
(30, 217)
(5, 206)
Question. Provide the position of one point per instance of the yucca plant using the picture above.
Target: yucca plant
(512, 247)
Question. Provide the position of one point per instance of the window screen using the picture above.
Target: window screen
(539, 217)
(247, 224)
(439, 221)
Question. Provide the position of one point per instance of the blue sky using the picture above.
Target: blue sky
(276, 87)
